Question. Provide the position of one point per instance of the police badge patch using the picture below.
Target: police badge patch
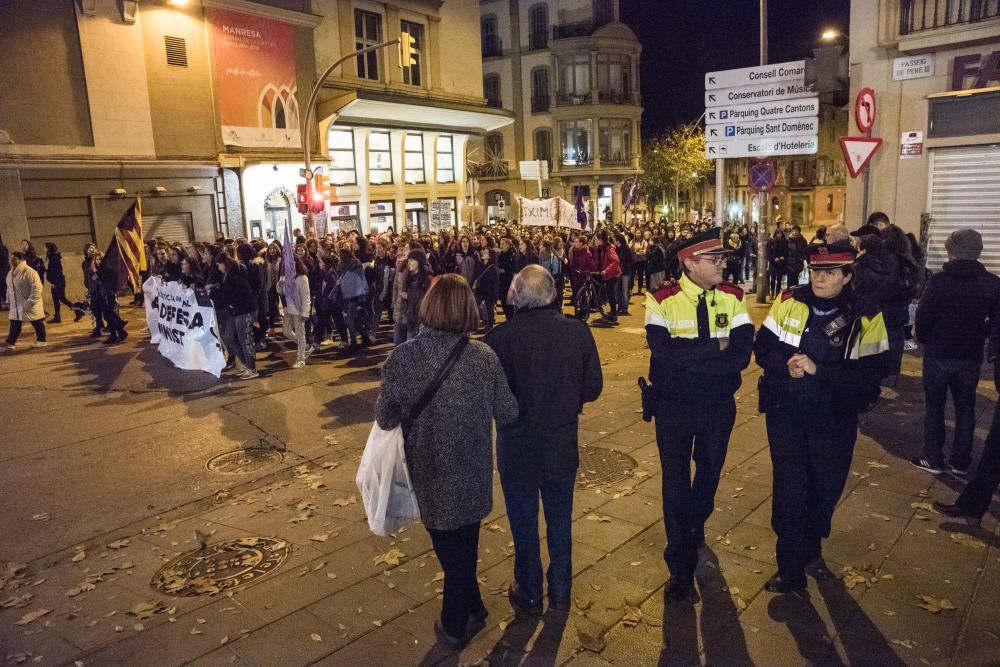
(721, 320)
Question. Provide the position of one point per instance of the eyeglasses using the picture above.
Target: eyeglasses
(717, 260)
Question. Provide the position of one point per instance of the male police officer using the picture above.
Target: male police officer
(700, 336)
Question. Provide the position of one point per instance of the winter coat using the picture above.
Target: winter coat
(302, 307)
(171, 272)
(235, 294)
(353, 284)
(553, 368)
(655, 260)
(465, 265)
(54, 273)
(415, 290)
(607, 262)
(954, 310)
(398, 290)
(487, 283)
(38, 264)
(449, 448)
(24, 293)
(582, 260)
(626, 259)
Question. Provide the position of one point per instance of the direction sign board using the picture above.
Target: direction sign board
(806, 145)
(749, 76)
(858, 152)
(767, 92)
(788, 127)
(748, 113)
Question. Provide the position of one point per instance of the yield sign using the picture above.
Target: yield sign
(858, 152)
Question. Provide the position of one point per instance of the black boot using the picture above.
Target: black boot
(96, 333)
(78, 314)
(783, 583)
(112, 339)
(678, 588)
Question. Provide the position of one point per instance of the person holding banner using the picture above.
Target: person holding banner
(236, 304)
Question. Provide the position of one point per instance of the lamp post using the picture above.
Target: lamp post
(308, 112)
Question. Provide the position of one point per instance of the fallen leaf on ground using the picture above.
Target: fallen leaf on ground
(315, 637)
(633, 615)
(599, 517)
(79, 555)
(924, 506)
(344, 502)
(120, 544)
(906, 643)
(195, 631)
(884, 517)
(583, 605)
(41, 516)
(390, 557)
(594, 643)
(968, 540)
(935, 605)
(17, 601)
(147, 609)
(84, 587)
(321, 537)
(852, 577)
(438, 577)
(876, 464)
(32, 616)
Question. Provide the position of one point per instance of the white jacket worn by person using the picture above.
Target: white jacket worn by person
(24, 291)
(304, 306)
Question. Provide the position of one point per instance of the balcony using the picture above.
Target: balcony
(540, 104)
(618, 161)
(566, 100)
(492, 48)
(580, 160)
(570, 30)
(617, 97)
(920, 16)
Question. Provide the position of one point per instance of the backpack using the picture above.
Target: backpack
(911, 278)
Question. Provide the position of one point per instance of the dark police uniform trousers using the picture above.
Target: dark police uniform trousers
(684, 431)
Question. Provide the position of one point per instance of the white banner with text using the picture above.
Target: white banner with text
(183, 326)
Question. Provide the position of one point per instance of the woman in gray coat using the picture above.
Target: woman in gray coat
(449, 446)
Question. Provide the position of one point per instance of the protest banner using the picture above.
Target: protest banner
(538, 212)
(183, 328)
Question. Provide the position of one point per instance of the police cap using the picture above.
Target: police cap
(702, 243)
(831, 256)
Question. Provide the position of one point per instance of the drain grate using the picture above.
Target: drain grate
(244, 461)
(221, 566)
(602, 467)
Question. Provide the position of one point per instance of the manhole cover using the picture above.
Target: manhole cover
(221, 566)
(244, 461)
(602, 467)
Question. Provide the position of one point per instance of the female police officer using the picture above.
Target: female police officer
(822, 363)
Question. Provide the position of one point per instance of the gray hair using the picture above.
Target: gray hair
(837, 233)
(532, 287)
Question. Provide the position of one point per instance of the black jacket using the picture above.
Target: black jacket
(487, 283)
(954, 311)
(234, 294)
(626, 258)
(553, 368)
(54, 273)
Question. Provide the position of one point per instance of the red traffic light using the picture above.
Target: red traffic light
(302, 197)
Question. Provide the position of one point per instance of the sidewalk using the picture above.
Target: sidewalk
(107, 481)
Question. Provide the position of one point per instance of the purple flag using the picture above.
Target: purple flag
(581, 213)
(291, 289)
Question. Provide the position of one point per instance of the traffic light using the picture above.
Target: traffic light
(303, 195)
(317, 195)
(407, 50)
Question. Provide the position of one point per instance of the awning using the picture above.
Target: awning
(365, 107)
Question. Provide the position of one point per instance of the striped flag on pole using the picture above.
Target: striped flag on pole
(126, 255)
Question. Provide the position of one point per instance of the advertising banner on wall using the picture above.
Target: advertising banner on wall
(255, 74)
(183, 328)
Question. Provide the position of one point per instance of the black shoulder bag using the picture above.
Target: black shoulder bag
(433, 387)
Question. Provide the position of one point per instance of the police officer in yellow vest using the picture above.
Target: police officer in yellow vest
(700, 337)
(822, 364)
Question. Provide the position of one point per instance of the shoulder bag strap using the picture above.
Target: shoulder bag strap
(435, 384)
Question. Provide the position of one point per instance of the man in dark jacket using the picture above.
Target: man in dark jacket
(952, 321)
(553, 368)
(795, 260)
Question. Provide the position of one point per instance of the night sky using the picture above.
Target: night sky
(683, 39)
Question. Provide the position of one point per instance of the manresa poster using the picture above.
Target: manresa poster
(255, 71)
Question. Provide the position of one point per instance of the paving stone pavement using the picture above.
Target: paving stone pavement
(105, 482)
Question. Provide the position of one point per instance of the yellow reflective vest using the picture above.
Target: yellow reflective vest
(866, 337)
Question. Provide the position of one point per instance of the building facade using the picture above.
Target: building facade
(196, 106)
(935, 70)
(569, 71)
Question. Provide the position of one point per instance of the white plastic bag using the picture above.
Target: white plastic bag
(384, 482)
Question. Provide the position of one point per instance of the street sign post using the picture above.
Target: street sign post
(761, 175)
(740, 113)
(748, 76)
(768, 129)
(805, 145)
(864, 111)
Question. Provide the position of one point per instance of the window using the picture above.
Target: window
(413, 158)
(604, 12)
(445, 159)
(342, 171)
(574, 75)
(538, 27)
(416, 215)
(379, 158)
(343, 217)
(614, 73)
(382, 216)
(543, 145)
(576, 139)
(491, 37)
(367, 32)
(411, 73)
(494, 145)
(616, 142)
(491, 90)
(540, 90)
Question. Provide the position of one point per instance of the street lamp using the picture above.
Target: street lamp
(832, 34)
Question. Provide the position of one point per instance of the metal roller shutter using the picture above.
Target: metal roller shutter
(173, 227)
(965, 194)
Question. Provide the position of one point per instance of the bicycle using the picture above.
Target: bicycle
(589, 297)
